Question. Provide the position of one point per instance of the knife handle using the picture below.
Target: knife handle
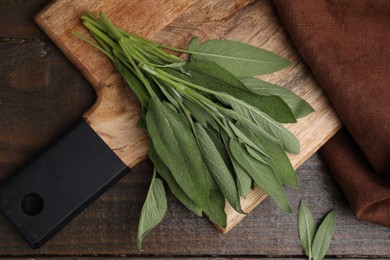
(57, 185)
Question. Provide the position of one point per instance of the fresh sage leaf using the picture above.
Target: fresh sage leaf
(177, 147)
(315, 242)
(298, 106)
(306, 228)
(216, 78)
(153, 210)
(220, 172)
(277, 158)
(241, 59)
(323, 236)
(266, 124)
(262, 174)
(243, 138)
(193, 43)
(243, 179)
(176, 190)
(200, 114)
(134, 83)
(216, 208)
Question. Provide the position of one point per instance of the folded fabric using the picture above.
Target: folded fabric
(346, 44)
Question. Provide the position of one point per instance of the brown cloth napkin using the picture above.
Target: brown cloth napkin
(346, 44)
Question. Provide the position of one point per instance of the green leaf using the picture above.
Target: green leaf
(298, 106)
(306, 228)
(244, 139)
(241, 59)
(177, 147)
(280, 163)
(277, 158)
(217, 166)
(200, 114)
(153, 210)
(262, 174)
(323, 236)
(193, 43)
(212, 74)
(216, 208)
(243, 179)
(218, 79)
(265, 123)
(166, 174)
(133, 82)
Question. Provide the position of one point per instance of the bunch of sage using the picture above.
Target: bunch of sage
(215, 129)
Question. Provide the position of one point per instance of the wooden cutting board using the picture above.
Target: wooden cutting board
(175, 22)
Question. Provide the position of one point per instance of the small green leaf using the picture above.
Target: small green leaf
(244, 139)
(262, 174)
(251, 115)
(166, 174)
(243, 179)
(277, 158)
(193, 43)
(216, 208)
(153, 210)
(298, 106)
(200, 114)
(218, 79)
(241, 59)
(323, 236)
(209, 73)
(177, 147)
(306, 228)
(133, 82)
(220, 172)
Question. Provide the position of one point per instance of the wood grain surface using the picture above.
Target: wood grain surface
(174, 22)
(41, 94)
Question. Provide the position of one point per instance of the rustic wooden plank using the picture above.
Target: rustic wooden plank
(41, 94)
(17, 19)
(109, 225)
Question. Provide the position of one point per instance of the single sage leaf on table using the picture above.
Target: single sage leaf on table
(323, 236)
(307, 228)
(241, 59)
(315, 242)
(153, 210)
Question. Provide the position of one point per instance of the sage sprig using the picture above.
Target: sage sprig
(315, 242)
(214, 130)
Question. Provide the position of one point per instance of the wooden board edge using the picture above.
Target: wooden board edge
(38, 18)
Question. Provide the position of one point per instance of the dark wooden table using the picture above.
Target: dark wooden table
(41, 94)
